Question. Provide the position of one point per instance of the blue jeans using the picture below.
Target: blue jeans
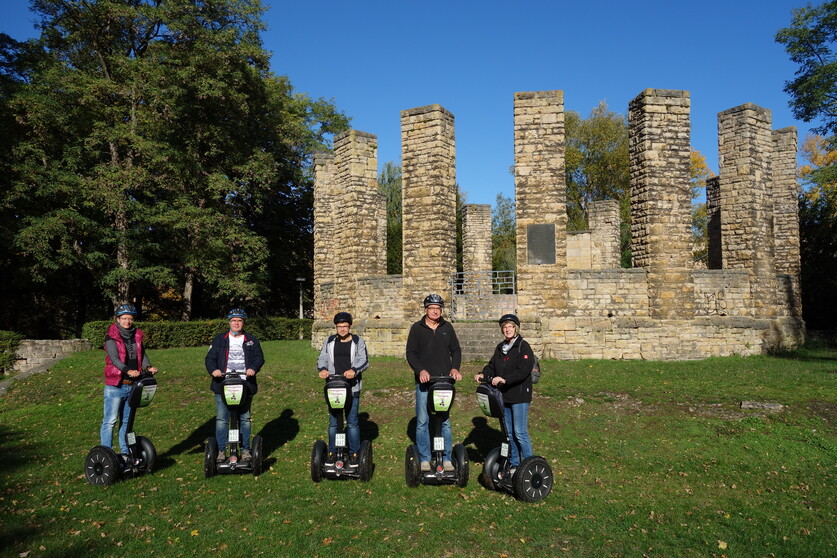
(517, 422)
(352, 426)
(422, 427)
(222, 423)
(116, 408)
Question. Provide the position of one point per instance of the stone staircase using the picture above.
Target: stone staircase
(477, 339)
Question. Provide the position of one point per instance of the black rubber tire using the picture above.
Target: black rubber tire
(412, 474)
(533, 479)
(460, 461)
(101, 466)
(256, 456)
(149, 454)
(317, 459)
(209, 456)
(490, 467)
(364, 467)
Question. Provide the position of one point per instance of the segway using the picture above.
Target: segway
(532, 480)
(440, 395)
(236, 394)
(338, 395)
(104, 466)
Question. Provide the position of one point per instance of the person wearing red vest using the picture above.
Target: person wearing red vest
(125, 356)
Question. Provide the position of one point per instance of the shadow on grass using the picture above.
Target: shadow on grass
(194, 443)
(484, 439)
(15, 455)
(277, 433)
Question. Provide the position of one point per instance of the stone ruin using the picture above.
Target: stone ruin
(572, 297)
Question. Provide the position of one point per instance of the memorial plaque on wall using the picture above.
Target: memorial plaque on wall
(540, 241)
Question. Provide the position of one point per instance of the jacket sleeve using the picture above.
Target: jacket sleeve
(322, 360)
(211, 360)
(490, 369)
(455, 350)
(523, 364)
(110, 349)
(361, 361)
(146, 362)
(413, 350)
(258, 355)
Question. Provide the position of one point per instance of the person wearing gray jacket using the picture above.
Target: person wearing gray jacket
(344, 353)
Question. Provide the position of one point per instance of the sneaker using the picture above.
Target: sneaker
(425, 465)
(221, 457)
(353, 461)
(245, 455)
(448, 466)
(329, 462)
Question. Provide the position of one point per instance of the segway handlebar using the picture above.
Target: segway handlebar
(447, 378)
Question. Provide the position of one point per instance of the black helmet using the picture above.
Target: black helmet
(125, 309)
(237, 313)
(433, 299)
(509, 318)
(342, 317)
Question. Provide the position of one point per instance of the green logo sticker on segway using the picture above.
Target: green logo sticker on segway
(442, 399)
(337, 397)
(147, 394)
(485, 405)
(234, 394)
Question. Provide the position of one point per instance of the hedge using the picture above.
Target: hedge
(165, 335)
(9, 342)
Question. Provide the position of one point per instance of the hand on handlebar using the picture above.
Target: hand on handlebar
(323, 374)
(217, 374)
(478, 377)
(497, 380)
(454, 373)
(424, 376)
(349, 374)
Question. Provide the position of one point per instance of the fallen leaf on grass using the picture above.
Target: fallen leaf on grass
(722, 545)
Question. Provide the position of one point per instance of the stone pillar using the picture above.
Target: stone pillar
(476, 238)
(324, 227)
(745, 146)
(428, 194)
(603, 217)
(661, 240)
(541, 210)
(713, 225)
(786, 213)
(356, 214)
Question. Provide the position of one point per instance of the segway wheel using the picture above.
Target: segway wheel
(461, 462)
(258, 459)
(149, 454)
(490, 468)
(533, 479)
(412, 473)
(365, 461)
(317, 460)
(209, 457)
(101, 466)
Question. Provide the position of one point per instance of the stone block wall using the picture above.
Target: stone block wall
(34, 353)
(745, 147)
(745, 303)
(540, 195)
(607, 293)
(605, 252)
(659, 151)
(428, 155)
(476, 237)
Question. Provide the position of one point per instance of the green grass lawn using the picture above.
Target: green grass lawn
(650, 458)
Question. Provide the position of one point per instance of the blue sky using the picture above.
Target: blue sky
(375, 58)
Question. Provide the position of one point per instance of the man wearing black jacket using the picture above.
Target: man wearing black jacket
(432, 350)
(233, 351)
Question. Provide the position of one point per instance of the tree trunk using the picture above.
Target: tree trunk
(188, 285)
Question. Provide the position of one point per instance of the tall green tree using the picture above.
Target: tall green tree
(389, 184)
(503, 235)
(161, 155)
(811, 42)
